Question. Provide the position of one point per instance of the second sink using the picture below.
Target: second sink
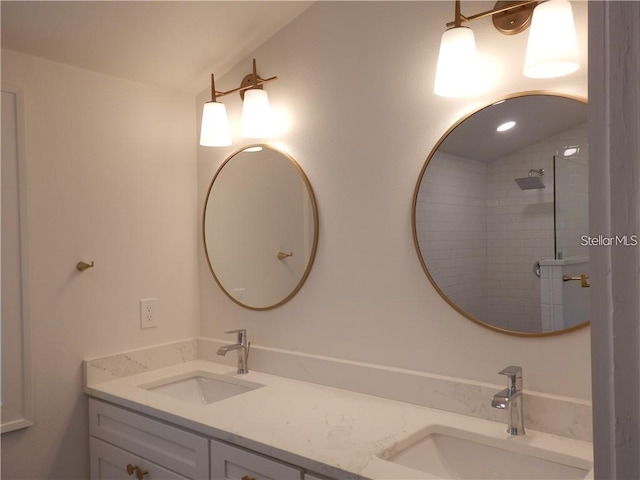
(449, 453)
(201, 388)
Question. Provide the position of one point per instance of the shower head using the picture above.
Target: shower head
(531, 182)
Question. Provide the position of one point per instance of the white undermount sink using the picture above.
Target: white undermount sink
(449, 453)
(201, 388)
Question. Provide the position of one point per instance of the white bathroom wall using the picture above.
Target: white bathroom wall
(111, 173)
(520, 231)
(451, 228)
(520, 226)
(355, 91)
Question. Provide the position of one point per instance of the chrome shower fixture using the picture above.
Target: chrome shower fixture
(533, 181)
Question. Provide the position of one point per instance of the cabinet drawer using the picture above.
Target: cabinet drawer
(180, 451)
(229, 462)
(110, 463)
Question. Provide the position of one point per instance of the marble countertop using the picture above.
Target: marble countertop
(338, 433)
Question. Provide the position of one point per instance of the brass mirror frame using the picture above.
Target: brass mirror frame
(314, 207)
(415, 233)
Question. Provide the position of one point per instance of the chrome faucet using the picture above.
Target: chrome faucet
(512, 399)
(242, 346)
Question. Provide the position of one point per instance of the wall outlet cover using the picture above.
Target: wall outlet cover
(148, 313)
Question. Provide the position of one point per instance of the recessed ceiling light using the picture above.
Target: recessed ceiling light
(569, 151)
(506, 126)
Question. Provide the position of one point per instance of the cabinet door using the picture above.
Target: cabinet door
(167, 445)
(233, 463)
(110, 463)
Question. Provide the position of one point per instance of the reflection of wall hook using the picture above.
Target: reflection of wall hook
(82, 266)
(282, 255)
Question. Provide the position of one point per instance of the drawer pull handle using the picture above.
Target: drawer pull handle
(131, 468)
(141, 473)
(247, 477)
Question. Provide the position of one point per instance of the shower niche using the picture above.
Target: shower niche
(499, 216)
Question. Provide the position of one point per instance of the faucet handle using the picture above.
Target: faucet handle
(515, 377)
(242, 334)
(511, 370)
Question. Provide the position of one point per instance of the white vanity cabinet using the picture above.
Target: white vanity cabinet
(120, 438)
(125, 445)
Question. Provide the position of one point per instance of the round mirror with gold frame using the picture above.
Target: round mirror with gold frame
(260, 227)
(499, 213)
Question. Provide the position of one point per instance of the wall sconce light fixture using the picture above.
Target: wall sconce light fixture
(256, 123)
(552, 48)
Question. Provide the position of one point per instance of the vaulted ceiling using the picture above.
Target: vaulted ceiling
(170, 44)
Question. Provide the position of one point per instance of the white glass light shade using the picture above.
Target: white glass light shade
(457, 63)
(256, 114)
(552, 49)
(215, 131)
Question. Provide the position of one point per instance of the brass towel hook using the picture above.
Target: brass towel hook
(283, 255)
(82, 266)
(583, 279)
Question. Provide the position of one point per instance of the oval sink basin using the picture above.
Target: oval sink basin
(201, 388)
(448, 453)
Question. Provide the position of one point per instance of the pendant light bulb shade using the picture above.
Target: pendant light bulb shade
(552, 49)
(256, 114)
(215, 130)
(457, 63)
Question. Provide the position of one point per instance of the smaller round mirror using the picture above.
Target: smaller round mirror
(260, 227)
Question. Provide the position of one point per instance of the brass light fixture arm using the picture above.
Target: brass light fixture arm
(213, 89)
(460, 18)
(259, 81)
(255, 82)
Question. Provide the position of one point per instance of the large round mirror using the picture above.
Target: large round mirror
(500, 214)
(260, 227)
